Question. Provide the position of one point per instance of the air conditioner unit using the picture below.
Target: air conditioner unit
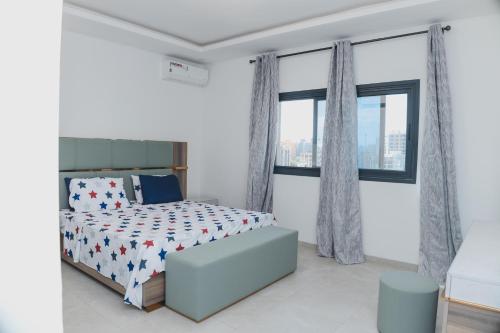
(183, 71)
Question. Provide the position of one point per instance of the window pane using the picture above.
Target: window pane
(296, 133)
(382, 132)
(321, 125)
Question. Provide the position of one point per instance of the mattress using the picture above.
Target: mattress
(131, 245)
(474, 275)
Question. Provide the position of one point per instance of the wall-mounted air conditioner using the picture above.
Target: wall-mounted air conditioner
(183, 71)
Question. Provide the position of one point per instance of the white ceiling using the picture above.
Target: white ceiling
(207, 31)
(208, 21)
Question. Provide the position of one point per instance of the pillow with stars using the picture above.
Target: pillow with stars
(100, 193)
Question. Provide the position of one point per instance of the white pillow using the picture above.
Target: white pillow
(92, 194)
(136, 183)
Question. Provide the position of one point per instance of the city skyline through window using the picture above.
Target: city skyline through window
(382, 132)
(300, 142)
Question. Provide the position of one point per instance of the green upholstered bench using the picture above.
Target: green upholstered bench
(407, 302)
(203, 280)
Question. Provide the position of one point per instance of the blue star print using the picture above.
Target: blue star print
(130, 266)
(162, 254)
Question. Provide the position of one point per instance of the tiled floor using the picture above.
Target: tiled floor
(321, 296)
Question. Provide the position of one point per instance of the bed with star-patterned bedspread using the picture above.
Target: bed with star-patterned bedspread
(131, 245)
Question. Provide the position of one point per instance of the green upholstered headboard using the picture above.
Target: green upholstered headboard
(80, 157)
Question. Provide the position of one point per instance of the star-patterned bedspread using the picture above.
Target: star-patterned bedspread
(131, 245)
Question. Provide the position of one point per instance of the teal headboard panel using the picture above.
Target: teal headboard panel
(84, 154)
(79, 157)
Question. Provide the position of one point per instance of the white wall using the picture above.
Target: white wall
(109, 90)
(30, 278)
(114, 91)
(390, 211)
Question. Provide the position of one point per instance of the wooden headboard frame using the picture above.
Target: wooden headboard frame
(180, 166)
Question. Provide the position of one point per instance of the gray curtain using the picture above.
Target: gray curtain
(440, 232)
(263, 134)
(338, 227)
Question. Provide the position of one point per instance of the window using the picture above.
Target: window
(302, 115)
(387, 131)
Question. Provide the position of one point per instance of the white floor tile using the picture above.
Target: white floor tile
(321, 296)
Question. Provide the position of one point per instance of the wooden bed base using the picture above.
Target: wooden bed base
(460, 316)
(153, 290)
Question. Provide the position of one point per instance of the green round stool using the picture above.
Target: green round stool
(407, 302)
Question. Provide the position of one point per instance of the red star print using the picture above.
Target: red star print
(155, 273)
(119, 230)
(123, 250)
(204, 230)
(66, 252)
(77, 229)
(97, 248)
(179, 248)
(118, 204)
(245, 221)
(93, 195)
(226, 235)
(148, 243)
(112, 184)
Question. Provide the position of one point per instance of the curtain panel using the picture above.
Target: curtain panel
(440, 231)
(339, 216)
(263, 133)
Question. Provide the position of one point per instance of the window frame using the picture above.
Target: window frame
(409, 87)
(316, 95)
(412, 89)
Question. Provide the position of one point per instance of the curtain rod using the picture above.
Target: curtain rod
(447, 28)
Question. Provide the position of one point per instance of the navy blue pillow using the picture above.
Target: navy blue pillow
(157, 190)
(67, 181)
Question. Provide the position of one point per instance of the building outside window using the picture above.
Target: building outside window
(387, 131)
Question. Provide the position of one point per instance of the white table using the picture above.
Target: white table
(473, 281)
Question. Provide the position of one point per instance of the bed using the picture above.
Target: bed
(126, 248)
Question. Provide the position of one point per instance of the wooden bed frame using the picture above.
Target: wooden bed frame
(153, 290)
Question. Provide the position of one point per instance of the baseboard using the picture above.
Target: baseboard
(309, 245)
(399, 264)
